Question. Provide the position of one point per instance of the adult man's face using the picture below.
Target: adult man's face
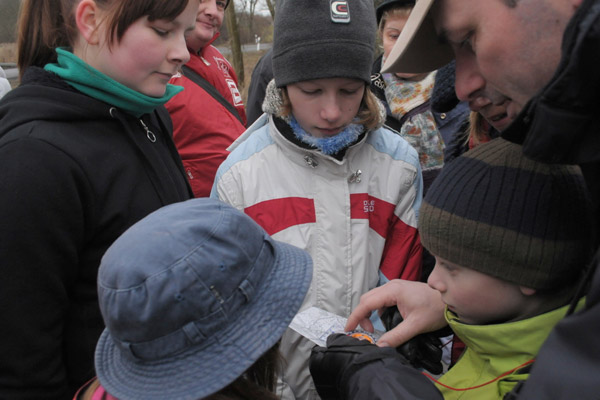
(504, 53)
(208, 22)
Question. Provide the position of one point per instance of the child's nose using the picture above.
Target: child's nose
(435, 282)
(179, 53)
(331, 111)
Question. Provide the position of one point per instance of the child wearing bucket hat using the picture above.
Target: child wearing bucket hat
(512, 238)
(195, 296)
(318, 170)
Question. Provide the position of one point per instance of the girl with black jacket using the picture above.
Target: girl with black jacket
(85, 152)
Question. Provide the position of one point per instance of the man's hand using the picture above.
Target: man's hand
(421, 307)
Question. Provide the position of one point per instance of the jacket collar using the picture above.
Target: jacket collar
(513, 339)
(560, 124)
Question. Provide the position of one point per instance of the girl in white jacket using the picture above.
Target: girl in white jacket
(319, 171)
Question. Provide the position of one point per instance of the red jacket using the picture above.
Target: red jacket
(202, 127)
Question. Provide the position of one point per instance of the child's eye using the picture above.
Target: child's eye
(161, 32)
(351, 91)
(311, 92)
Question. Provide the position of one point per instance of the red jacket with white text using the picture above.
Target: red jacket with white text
(202, 127)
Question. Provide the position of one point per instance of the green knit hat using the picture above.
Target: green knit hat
(495, 211)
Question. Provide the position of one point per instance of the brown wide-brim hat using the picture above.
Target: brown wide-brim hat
(418, 48)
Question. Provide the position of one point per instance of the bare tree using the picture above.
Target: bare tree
(234, 42)
(251, 10)
(271, 8)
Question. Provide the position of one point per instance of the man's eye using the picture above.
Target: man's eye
(467, 43)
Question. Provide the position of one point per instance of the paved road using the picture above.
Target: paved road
(245, 48)
(12, 73)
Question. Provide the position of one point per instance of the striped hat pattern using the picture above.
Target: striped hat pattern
(495, 211)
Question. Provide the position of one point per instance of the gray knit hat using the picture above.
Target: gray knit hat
(316, 39)
(495, 211)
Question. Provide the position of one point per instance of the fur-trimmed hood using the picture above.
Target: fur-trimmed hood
(274, 101)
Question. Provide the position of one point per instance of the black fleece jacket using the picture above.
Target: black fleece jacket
(75, 174)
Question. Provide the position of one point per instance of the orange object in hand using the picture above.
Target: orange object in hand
(362, 336)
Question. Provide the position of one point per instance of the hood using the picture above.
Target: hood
(561, 124)
(35, 99)
(273, 102)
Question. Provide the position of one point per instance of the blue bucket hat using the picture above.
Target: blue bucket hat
(192, 295)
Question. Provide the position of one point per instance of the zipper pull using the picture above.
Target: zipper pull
(151, 137)
(310, 160)
(355, 177)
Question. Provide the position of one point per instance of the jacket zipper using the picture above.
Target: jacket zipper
(149, 134)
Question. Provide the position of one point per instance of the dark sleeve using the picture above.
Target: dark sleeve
(567, 366)
(261, 76)
(388, 378)
(41, 230)
(352, 369)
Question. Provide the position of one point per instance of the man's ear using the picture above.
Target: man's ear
(527, 291)
(87, 20)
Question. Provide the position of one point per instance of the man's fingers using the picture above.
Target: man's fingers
(364, 323)
(375, 299)
(397, 336)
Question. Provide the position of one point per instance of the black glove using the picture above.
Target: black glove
(352, 369)
(422, 351)
(331, 366)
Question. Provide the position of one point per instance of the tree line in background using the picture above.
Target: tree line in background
(249, 22)
(242, 25)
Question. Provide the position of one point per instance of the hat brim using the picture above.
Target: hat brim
(211, 366)
(418, 48)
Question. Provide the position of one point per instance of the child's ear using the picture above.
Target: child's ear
(86, 18)
(527, 291)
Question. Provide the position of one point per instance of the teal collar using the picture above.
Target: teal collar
(94, 83)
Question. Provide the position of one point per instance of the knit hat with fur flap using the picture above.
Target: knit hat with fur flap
(315, 39)
(495, 211)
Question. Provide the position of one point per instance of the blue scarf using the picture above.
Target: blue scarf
(329, 145)
(94, 83)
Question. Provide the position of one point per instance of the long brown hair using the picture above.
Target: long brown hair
(44, 25)
(258, 382)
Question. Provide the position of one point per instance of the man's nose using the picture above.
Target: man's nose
(469, 81)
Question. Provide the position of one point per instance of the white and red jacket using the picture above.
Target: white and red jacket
(355, 217)
(202, 127)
